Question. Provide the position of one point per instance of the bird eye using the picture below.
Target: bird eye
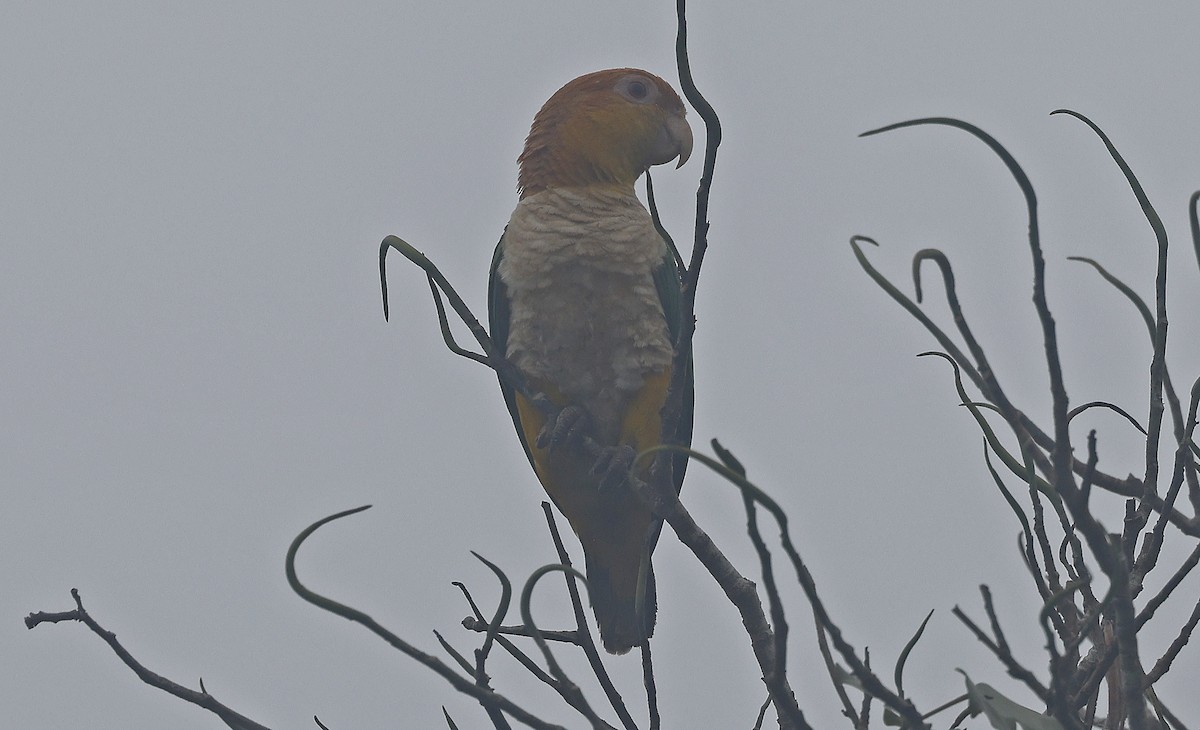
(637, 89)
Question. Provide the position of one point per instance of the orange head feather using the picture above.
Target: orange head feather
(606, 127)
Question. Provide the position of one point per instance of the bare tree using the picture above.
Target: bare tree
(1089, 579)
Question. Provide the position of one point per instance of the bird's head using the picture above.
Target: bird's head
(606, 128)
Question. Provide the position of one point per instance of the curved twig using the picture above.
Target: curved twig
(1026, 547)
(1181, 426)
(778, 618)
(1130, 294)
(903, 658)
(1194, 219)
(501, 609)
(1020, 423)
(1114, 555)
(988, 382)
(681, 367)
(478, 623)
(1013, 465)
(463, 684)
(911, 307)
(570, 691)
(1158, 366)
(1061, 459)
(436, 276)
(1104, 404)
(444, 325)
(652, 204)
(712, 140)
(1193, 403)
(438, 281)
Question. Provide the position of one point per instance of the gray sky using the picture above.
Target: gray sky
(196, 365)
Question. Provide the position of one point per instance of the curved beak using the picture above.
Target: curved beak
(674, 140)
(681, 131)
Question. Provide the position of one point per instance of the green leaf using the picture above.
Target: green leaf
(1003, 713)
(844, 676)
(908, 650)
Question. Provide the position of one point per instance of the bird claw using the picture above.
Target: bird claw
(569, 426)
(613, 465)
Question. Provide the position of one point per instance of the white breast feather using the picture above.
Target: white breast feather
(585, 313)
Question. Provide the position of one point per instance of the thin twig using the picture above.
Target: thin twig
(762, 714)
(1015, 668)
(499, 721)
(1158, 361)
(1168, 588)
(865, 708)
(778, 618)
(202, 699)
(1164, 662)
(1061, 451)
(835, 673)
(478, 623)
(652, 204)
(570, 691)
(582, 631)
(1194, 220)
(983, 377)
(763, 643)
(651, 690)
(463, 684)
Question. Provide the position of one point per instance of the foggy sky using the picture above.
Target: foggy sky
(196, 365)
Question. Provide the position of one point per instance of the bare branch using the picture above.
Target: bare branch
(752, 608)
(651, 689)
(461, 683)
(778, 617)
(1050, 454)
(569, 690)
(202, 698)
(652, 204)
(1061, 449)
(1015, 668)
(1194, 220)
(1168, 588)
(477, 623)
(836, 674)
(1163, 665)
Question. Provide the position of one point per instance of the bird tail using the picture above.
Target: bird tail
(624, 601)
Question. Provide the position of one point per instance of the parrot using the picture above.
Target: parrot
(584, 300)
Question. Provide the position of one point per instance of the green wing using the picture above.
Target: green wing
(498, 319)
(667, 280)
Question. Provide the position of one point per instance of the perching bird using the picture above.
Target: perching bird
(584, 299)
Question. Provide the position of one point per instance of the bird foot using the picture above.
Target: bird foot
(568, 427)
(613, 465)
